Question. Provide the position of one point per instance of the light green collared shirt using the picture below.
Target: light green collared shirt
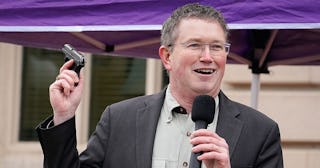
(172, 148)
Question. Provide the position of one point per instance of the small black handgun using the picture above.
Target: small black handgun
(71, 53)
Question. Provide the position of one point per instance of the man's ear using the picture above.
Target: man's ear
(165, 57)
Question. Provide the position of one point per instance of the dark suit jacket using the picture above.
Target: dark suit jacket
(125, 135)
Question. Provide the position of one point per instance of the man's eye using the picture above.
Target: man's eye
(216, 47)
(194, 45)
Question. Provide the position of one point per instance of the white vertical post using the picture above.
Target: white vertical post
(153, 76)
(255, 89)
(83, 110)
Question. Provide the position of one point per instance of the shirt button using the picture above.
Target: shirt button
(185, 164)
(188, 133)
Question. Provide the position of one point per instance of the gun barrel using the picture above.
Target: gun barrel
(71, 52)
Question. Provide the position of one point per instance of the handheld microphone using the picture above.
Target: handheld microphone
(202, 114)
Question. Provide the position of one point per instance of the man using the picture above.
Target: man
(149, 131)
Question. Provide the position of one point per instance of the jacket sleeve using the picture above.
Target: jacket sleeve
(271, 153)
(59, 144)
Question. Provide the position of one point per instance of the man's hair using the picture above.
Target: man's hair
(169, 29)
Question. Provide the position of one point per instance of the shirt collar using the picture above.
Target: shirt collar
(170, 103)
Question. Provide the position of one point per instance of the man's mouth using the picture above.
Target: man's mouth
(205, 71)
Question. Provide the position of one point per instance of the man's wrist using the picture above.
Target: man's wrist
(59, 119)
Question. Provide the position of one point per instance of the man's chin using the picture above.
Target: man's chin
(205, 90)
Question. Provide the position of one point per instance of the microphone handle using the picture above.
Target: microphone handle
(194, 162)
(200, 125)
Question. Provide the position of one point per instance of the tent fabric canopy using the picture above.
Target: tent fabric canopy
(104, 15)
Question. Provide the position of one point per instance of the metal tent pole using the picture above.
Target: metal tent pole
(255, 88)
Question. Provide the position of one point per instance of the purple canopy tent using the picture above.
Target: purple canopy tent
(263, 33)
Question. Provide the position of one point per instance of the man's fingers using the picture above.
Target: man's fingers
(204, 132)
(69, 75)
(67, 65)
(214, 155)
(212, 146)
(209, 147)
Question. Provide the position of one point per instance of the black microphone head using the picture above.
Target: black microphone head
(203, 109)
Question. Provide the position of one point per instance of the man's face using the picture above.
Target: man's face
(194, 67)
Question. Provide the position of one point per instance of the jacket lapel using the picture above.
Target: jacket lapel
(147, 121)
(229, 126)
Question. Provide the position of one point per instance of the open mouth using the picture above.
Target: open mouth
(205, 71)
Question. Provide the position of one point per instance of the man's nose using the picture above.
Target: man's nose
(206, 55)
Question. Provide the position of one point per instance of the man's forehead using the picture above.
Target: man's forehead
(198, 29)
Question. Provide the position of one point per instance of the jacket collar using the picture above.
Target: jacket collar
(147, 121)
(229, 126)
